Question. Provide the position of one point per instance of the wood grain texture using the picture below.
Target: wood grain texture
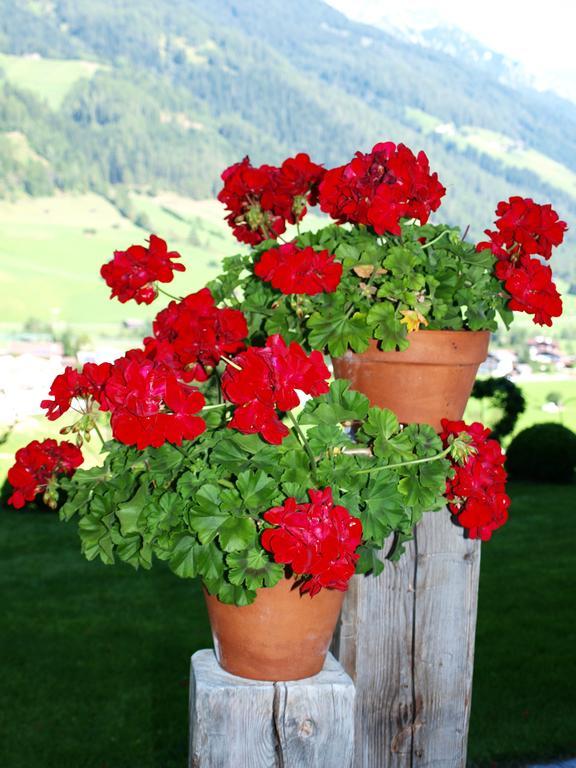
(235, 722)
(407, 640)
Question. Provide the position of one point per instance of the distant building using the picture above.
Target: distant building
(500, 362)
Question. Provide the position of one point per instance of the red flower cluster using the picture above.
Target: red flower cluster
(132, 274)
(316, 539)
(477, 491)
(36, 468)
(525, 229)
(263, 200)
(382, 187)
(87, 384)
(299, 270)
(265, 378)
(149, 406)
(193, 334)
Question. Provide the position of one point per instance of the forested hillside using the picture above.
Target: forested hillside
(100, 95)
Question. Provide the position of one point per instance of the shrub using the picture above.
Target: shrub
(544, 453)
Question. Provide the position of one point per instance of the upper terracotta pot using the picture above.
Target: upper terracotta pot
(425, 383)
(282, 635)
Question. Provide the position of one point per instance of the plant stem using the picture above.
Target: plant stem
(431, 242)
(436, 456)
(303, 441)
(99, 433)
(217, 405)
(170, 296)
(230, 362)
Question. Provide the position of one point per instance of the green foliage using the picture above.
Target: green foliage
(543, 453)
(503, 394)
(200, 507)
(429, 277)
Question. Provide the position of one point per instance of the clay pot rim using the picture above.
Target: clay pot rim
(430, 347)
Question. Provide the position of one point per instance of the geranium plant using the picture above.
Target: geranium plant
(379, 270)
(242, 464)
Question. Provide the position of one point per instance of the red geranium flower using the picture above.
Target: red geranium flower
(530, 285)
(262, 200)
(381, 187)
(265, 378)
(87, 384)
(149, 406)
(299, 270)
(299, 180)
(132, 274)
(192, 335)
(249, 195)
(316, 539)
(525, 228)
(477, 490)
(36, 469)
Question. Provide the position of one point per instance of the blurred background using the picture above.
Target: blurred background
(116, 120)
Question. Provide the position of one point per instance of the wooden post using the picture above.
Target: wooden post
(235, 722)
(407, 640)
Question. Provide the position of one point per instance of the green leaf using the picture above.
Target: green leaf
(369, 562)
(206, 517)
(337, 332)
(400, 261)
(233, 595)
(255, 568)
(236, 533)
(296, 467)
(385, 325)
(183, 559)
(129, 512)
(324, 437)
(381, 424)
(96, 539)
(384, 508)
(164, 459)
(210, 562)
(338, 405)
(257, 489)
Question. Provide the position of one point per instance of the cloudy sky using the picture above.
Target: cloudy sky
(538, 35)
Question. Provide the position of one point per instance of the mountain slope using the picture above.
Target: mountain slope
(178, 90)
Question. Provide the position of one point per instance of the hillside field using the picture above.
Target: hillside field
(52, 248)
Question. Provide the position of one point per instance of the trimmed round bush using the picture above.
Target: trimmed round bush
(543, 453)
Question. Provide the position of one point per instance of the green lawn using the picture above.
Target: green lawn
(524, 695)
(96, 658)
(536, 394)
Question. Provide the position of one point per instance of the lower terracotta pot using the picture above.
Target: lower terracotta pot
(425, 383)
(280, 636)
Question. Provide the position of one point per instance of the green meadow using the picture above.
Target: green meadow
(52, 248)
(48, 79)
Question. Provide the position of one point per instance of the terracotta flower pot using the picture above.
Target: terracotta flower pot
(280, 636)
(425, 383)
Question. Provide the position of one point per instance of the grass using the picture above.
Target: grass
(49, 79)
(535, 393)
(96, 658)
(51, 251)
(523, 703)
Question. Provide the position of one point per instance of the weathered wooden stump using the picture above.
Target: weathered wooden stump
(239, 723)
(407, 640)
